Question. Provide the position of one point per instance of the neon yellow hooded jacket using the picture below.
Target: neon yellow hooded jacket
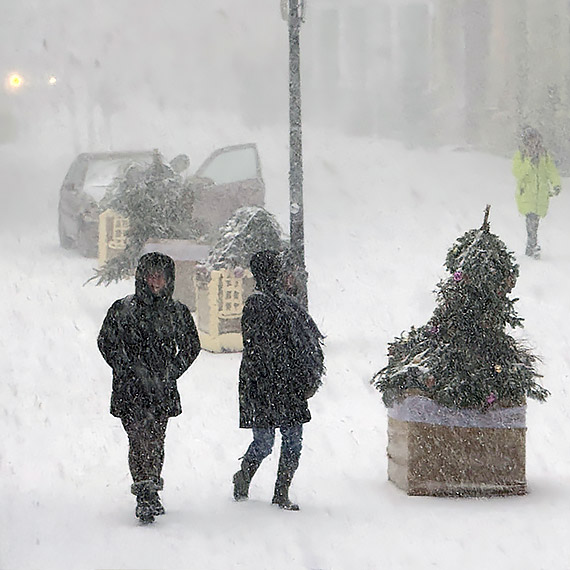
(535, 183)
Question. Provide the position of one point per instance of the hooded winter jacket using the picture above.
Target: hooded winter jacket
(149, 341)
(282, 361)
(535, 183)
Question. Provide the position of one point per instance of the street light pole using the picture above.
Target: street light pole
(297, 231)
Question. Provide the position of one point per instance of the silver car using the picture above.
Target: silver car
(86, 183)
(228, 179)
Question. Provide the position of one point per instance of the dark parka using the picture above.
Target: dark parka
(149, 341)
(282, 361)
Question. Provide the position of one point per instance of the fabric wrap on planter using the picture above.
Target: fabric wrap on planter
(423, 410)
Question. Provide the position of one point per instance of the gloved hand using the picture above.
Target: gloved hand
(152, 385)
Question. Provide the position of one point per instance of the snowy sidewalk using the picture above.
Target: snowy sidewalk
(391, 214)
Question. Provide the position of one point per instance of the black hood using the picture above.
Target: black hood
(149, 263)
(266, 267)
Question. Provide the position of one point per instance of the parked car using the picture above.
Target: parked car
(84, 186)
(228, 179)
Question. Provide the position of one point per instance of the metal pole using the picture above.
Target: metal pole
(297, 231)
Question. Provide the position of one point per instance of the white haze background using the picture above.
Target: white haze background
(379, 220)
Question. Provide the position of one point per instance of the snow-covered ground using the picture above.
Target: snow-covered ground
(379, 221)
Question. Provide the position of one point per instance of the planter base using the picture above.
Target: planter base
(439, 460)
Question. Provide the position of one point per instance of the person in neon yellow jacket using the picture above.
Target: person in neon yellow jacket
(537, 180)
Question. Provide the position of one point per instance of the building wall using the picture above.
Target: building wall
(442, 71)
(367, 65)
(424, 71)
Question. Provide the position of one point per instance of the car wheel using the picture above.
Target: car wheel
(64, 240)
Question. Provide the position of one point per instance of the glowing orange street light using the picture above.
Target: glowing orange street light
(15, 81)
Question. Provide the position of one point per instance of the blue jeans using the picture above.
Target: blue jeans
(264, 438)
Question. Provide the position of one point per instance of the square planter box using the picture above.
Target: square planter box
(438, 451)
(220, 297)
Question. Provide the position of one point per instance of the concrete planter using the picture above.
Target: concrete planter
(220, 296)
(112, 235)
(438, 451)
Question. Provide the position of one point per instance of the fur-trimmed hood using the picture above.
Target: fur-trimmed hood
(149, 263)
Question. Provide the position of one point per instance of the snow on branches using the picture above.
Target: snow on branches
(158, 204)
(463, 357)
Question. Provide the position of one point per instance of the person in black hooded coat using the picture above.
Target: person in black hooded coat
(281, 368)
(149, 340)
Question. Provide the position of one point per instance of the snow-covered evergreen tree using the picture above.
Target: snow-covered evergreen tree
(463, 357)
(158, 203)
(249, 230)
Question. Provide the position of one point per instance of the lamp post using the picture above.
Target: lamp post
(293, 11)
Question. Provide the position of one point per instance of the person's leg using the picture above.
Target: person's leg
(146, 458)
(291, 445)
(146, 447)
(532, 247)
(135, 435)
(156, 429)
(155, 458)
(533, 220)
(258, 450)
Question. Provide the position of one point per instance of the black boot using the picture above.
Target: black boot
(155, 504)
(242, 479)
(155, 499)
(148, 501)
(287, 468)
(281, 499)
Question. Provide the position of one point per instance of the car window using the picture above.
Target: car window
(232, 166)
(76, 172)
(102, 172)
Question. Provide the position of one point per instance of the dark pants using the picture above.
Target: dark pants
(264, 438)
(531, 233)
(146, 447)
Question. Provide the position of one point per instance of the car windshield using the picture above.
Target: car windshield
(101, 173)
(231, 166)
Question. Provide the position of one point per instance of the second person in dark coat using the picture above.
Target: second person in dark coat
(281, 368)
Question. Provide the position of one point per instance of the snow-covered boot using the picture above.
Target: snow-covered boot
(281, 499)
(287, 468)
(148, 501)
(533, 251)
(243, 477)
(156, 505)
